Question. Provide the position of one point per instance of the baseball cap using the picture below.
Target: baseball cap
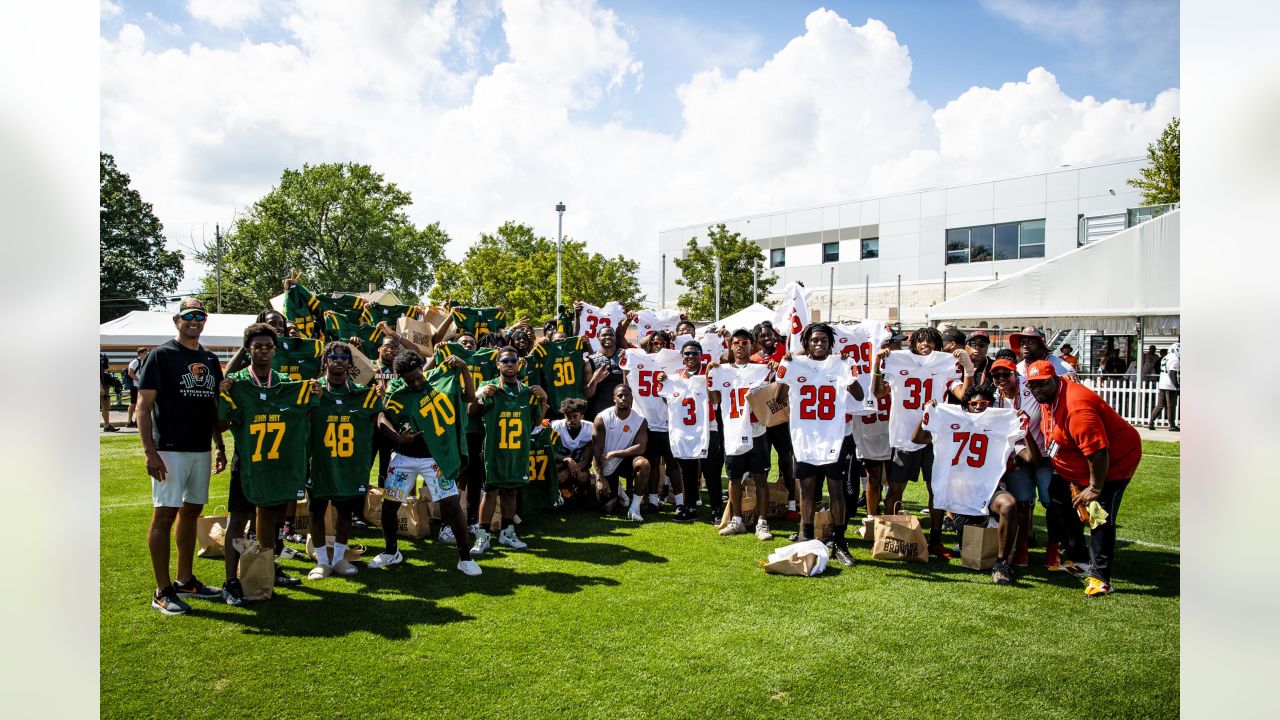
(1041, 370)
(1005, 365)
(897, 336)
(953, 334)
(191, 304)
(1015, 339)
(979, 334)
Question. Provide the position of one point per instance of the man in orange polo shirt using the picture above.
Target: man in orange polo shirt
(1094, 449)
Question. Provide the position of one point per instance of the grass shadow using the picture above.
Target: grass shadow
(591, 552)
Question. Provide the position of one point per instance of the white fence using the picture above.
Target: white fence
(1133, 403)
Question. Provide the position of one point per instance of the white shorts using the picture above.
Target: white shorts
(186, 479)
(403, 472)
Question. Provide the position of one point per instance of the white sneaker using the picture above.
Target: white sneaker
(342, 567)
(508, 537)
(446, 536)
(735, 527)
(482, 542)
(386, 560)
(469, 567)
(634, 513)
(320, 572)
(762, 530)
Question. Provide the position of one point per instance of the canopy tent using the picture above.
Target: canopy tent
(1106, 286)
(748, 317)
(142, 328)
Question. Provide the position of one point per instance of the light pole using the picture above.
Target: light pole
(717, 288)
(559, 240)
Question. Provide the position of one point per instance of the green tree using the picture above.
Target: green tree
(1160, 182)
(136, 269)
(516, 269)
(343, 226)
(698, 273)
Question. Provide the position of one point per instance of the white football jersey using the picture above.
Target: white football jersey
(792, 316)
(819, 398)
(564, 438)
(619, 434)
(914, 380)
(871, 432)
(970, 454)
(861, 342)
(642, 370)
(734, 383)
(648, 321)
(689, 415)
(594, 318)
(1028, 409)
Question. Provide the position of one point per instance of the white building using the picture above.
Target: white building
(927, 245)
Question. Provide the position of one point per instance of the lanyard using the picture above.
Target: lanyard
(270, 377)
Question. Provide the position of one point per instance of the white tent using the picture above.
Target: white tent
(142, 328)
(747, 317)
(1105, 286)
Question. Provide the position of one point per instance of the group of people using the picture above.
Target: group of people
(494, 420)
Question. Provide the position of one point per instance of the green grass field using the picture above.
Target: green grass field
(601, 618)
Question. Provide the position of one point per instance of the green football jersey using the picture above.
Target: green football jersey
(244, 374)
(543, 488)
(477, 321)
(342, 427)
(564, 319)
(306, 310)
(339, 327)
(451, 382)
(298, 357)
(433, 413)
(509, 414)
(561, 368)
(391, 313)
(271, 430)
(479, 361)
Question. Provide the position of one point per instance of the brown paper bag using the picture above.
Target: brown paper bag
(899, 537)
(257, 571)
(417, 332)
(979, 547)
(823, 528)
(769, 406)
(777, 506)
(211, 531)
(413, 519)
(302, 521)
(353, 553)
(373, 507)
(361, 369)
(435, 316)
(794, 565)
(868, 529)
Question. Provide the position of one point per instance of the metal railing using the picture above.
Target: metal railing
(1133, 402)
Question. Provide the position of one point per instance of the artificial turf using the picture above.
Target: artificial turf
(602, 618)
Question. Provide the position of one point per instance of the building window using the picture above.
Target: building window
(1003, 241)
(830, 252)
(777, 257)
(871, 248)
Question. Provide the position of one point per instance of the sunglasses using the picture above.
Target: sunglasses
(197, 316)
(1002, 375)
(979, 404)
(338, 357)
(507, 361)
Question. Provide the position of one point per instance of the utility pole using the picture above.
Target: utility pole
(717, 289)
(217, 240)
(866, 296)
(559, 240)
(755, 271)
(662, 292)
(831, 293)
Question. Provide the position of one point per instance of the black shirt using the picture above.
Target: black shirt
(186, 385)
(604, 389)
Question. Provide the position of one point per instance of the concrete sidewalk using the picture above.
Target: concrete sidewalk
(1160, 434)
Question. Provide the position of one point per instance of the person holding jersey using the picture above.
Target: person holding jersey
(745, 443)
(690, 422)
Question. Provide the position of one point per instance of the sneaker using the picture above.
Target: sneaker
(320, 572)
(735, 527)
(294, 537)
(843, 556)
(1075, 568)
(1001, 573)
(508, 537)
(113, 428)
(762, 530)
(168, 602)
(948, 524)
(232, 593)
(1020, 557)
(386, 560)
(283, 579)
(1095, 587)
(1052, 558)
(193, 588)
(359, 524)
(345, 568)
(940, 551)
(469, 567)
(446, 536)
(716, 514)
(482, 542)
(634, 514)
(683, 514)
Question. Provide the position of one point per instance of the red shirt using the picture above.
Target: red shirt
(779, 351)
(1082, 423)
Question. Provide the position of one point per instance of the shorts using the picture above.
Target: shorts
(345, 506)
(840, 470)
(625, 469)
(186, 479)
(980, 520)
(404, 471)
(133, 396)
(1024, 480)
(659, 446)
(779, 437)
(754, 461)
(907, 465)
(881, 465)
(236, 501)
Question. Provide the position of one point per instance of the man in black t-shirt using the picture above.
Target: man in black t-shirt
(605, 376)
(177, 413)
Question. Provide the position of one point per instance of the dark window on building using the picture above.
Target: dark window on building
(777, 257)
(1005, 241)
(1031, 239)
(830, 252)
(870, 248)
(957, 246)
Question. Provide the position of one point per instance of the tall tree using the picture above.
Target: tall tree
(1160, 182)
(343, 226)
(516, 269)
(737, 256)
(136, 269)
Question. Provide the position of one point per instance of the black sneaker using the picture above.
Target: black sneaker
(843, 556)
(168, 602)
(358, 523)
(716, 514)
(111, 428)
(948, 525)
(283, 580)
(232, 593)
(193, 588)
(1001, 573)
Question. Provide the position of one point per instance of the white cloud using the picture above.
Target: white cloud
(169, 28)
(108, 9)
(830, 116)
(225, 13)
